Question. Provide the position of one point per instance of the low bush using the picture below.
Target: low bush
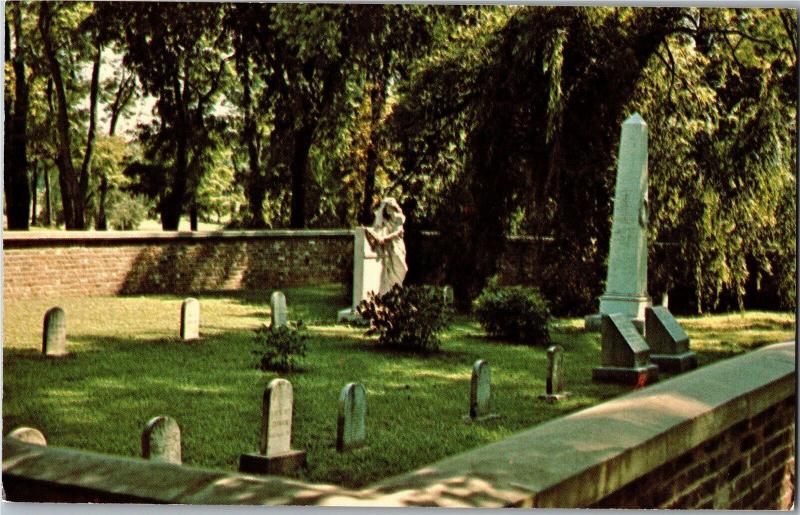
(407, 317)
(281, 348)
(514, 312)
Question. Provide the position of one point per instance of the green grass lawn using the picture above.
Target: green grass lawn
(128, 365)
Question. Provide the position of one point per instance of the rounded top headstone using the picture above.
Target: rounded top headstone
(28, 435)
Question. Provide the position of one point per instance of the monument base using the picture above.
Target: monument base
(58, 355)
(593, 323)
(675, 363)
(554, 397)
(484, 418)
(279, 465)
(636, 376)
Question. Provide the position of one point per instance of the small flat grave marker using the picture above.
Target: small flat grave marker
(161, 440)
(480, 393)
(278, 306)
(555, 375)
(350, 426)
(54, 334)
(28, 435)
(275, 454)
(625, 354)
(668, 342)
(190, 320)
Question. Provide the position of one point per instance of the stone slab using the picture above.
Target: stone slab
(622, 344)
(190, 320)
(280, 464)
(639, 376)
(350, 425)
(278, 312)
(675, 363)
(54, 333)
(663, 333)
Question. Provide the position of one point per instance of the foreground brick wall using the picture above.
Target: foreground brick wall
(75, 264)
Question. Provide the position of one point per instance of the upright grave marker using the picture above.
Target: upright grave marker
(625, 354)
(28, 435)
(626, 283)
(351, 429)
(275, 454)
(669, 343)
(190, 320)
(447, 296)
(480, 393)
(366, 274)
(54, 333)
(161, 440)
(279, 314)
(555, 375)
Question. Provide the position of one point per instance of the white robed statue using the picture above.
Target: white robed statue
(386, 239)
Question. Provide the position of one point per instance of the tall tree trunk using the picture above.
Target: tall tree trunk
(34, 188)
(48, 205)
(193, 215)
(174, 197)
(256, 187)
(16, 185)
(377, 102)
(90, 136)
(302, 145)
(71, 197)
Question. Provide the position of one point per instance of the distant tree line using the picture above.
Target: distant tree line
(484, 121)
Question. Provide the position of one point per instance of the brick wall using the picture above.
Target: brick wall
(81, 264)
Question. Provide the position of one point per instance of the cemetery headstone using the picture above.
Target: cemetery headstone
(625, 354)
(669, 343)
(447, 295)
(277, 304)
(54, 335)
(366, 274)
(275, 454)
(626, 283)
(350, 426)
(555, 375)
(480, 393)
(28, 435)
(190, 320)
(161, 440)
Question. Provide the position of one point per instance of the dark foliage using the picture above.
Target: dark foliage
(281, 348)
(514, 312)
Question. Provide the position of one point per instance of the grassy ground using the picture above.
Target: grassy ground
(128, 365)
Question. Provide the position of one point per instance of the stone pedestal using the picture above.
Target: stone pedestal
(281, 464)
(626, 282)
(625, 354)
(366, 275)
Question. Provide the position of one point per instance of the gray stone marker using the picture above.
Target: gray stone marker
(351, 430)
(275, 454)
(190, 320)
(161, 440)
(625, 354)
(480, 393)
(28, 435)
(447, 295)
(54, 334)
(555, 375)
(669, 343)
(626, 282)
(277, 304)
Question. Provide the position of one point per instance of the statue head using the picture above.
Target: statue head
(389, 210)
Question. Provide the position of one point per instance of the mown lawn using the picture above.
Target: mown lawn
(128, 365)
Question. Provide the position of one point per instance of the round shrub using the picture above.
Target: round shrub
(407, 317)
(280, 348)
(514, 312)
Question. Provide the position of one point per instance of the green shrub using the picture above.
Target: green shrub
(125, 212)
(407, 317)
(281, 348)
(514, 312)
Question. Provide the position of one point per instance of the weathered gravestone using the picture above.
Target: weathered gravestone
(28, 435)
(161, 440)
(275, 454)
(626, 282)
(54, 334)
(351, 430)
(190, 320)
(480, 393)
(366, 274)
(555, 375)
(625, 354)
(447, 296)
(279, 315)
(669, 343)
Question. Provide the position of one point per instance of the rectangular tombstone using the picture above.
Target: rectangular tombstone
(555, 375)
(54, 333)
(625, 356)
(668, 342)
(275, 454)
(279, 313)
(190, 320)
(480, 393)
(161, 440)
(351, 430)
(366, 274)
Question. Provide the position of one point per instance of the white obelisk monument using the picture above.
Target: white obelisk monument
(626, 283)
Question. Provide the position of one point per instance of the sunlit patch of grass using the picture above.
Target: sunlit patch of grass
(128, 365)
